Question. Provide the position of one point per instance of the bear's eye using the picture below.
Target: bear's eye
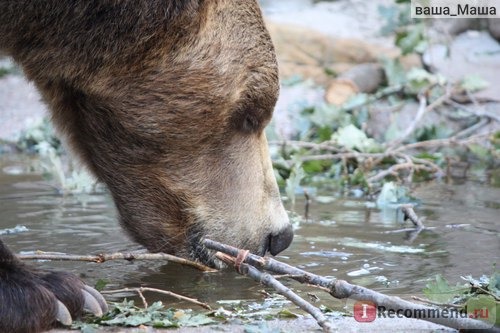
(250, 123)
(253, 111)
(250, 120)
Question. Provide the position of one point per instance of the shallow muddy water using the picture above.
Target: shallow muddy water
(343, 238)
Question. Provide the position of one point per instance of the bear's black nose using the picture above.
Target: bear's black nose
(280, 241)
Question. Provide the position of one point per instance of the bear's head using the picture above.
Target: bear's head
(170, 112)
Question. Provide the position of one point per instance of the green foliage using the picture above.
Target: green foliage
(474, 83)
(418, 79)
(409, 33)
(353, 138)
(480, 298)
(441, 291)
(41, 133)
(156, 315)
(411, 39)
(41, 139)
(394, 16)
(100, 284)
(495, 140)
(4, 71)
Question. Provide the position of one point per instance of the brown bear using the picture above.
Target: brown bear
(165, 101)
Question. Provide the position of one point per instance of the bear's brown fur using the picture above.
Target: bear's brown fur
(165, 101)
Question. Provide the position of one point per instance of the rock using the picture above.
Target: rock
(310, 54)
(472, 52)
(364, 78)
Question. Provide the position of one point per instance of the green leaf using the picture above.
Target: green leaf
(394, 72)
(324, 133)
(474, 83)
(100, 284)
(494, 285)
(352, 137)
(419, 79)
(285, 313)
(440, 290)
(165, 323)
(311, 167)
(195, 320)
(480, 151)
(129, 320)
(483, 307)
(411, 39)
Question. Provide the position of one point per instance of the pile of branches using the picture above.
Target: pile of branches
(398, 159)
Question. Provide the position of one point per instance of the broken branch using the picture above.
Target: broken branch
(342, 289)
(268, 280)
(141, 290)
(410, 214)
(100, 258)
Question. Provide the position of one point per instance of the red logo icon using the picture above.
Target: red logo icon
(365, 311)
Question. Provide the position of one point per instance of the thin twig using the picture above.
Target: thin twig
(447, 305)
(393, 170)
(325, 145)
(100, 258)
(422, 110)
(472, 129)
(141, 290)
(268, 280)
(438, 143)
(481, 113)
(346, 155)
(398, 231)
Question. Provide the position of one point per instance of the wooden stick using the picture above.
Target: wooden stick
(410, 214)
(342, 289)
(268, 280)
(100, 258)
(141, 290)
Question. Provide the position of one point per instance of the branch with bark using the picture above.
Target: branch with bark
(253, 266)
(396, 160)
(140, 291)
(100, 258)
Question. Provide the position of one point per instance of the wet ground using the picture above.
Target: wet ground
(345, 238)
